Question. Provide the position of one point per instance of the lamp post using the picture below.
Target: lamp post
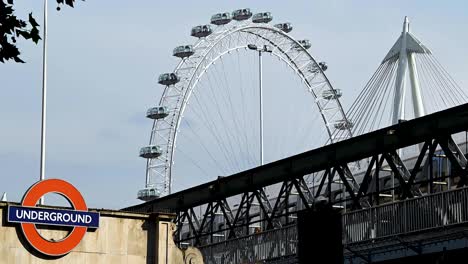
(264, 48)
(260, 50)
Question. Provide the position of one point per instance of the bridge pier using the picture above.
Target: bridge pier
(320, 235)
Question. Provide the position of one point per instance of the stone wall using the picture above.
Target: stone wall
(120, 238)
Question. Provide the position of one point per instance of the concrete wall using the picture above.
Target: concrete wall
(121, 238)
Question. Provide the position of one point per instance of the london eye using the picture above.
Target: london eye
(244, 81)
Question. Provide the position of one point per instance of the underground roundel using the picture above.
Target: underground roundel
(28, 215)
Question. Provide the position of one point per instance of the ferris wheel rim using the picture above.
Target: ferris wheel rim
(195, 78)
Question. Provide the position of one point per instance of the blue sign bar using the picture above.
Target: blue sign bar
(35, 215)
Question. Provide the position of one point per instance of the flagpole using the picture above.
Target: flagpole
(44, 99)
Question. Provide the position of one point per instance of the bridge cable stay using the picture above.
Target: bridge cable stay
(384, 100)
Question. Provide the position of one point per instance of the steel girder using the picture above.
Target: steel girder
(330, 162)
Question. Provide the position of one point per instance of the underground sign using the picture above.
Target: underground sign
(28, 215)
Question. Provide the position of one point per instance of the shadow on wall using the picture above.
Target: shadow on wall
(150, 228)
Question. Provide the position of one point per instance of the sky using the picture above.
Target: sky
(104, 58)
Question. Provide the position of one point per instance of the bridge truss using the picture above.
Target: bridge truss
(376, 150)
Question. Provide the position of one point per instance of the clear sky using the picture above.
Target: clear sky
(104, 58)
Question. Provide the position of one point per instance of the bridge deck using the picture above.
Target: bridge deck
(405, 134)
(405, 228)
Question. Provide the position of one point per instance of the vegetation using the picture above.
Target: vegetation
(13, 28)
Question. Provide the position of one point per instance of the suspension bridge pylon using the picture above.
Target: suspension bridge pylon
(403, 50)
(387, 98)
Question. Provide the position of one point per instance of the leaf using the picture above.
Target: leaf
(23, 33)
(69, 2)
(32, 21)
(22, 23)
(34, 33)
(17, 59)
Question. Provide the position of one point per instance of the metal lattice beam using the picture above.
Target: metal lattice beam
(438, 125)
(330, 161)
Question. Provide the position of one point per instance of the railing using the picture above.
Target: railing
(403, 217)
(274, 244)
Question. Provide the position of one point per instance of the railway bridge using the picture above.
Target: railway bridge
(391, 209)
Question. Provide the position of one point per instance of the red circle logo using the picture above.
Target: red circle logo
(30, 199)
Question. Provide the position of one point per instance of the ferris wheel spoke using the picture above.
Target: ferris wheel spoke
(247, 101)
(215, 132)
(253, 94)
(227, 132)
(231, 134)
(244, 118)
(187, 156)
(198, 139)
(214, 112)
(202, 115)
(239, 130)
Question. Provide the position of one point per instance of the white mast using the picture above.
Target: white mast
(404, 49)
(416, 90)
(44, 99)
(400, 83)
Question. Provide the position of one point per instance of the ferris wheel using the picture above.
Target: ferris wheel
(224, 99)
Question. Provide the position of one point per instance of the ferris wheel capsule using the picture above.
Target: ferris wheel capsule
(323, 65)
(148, 194)
(332, 94)
(201, 31)
(158, 112)
(183, 51)
(241, 14)
(264, 17)
(168, 79)
(344, 124)
(285, 27)
(305, 43)
(182, 96)
(221, 18)
(150, 152)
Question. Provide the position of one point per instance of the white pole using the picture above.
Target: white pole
(261, 105)
(416, 90)
(44, 99)
(399, 99)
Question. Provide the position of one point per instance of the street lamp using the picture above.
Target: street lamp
(264, 48)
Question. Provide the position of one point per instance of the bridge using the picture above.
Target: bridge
(374, 229)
